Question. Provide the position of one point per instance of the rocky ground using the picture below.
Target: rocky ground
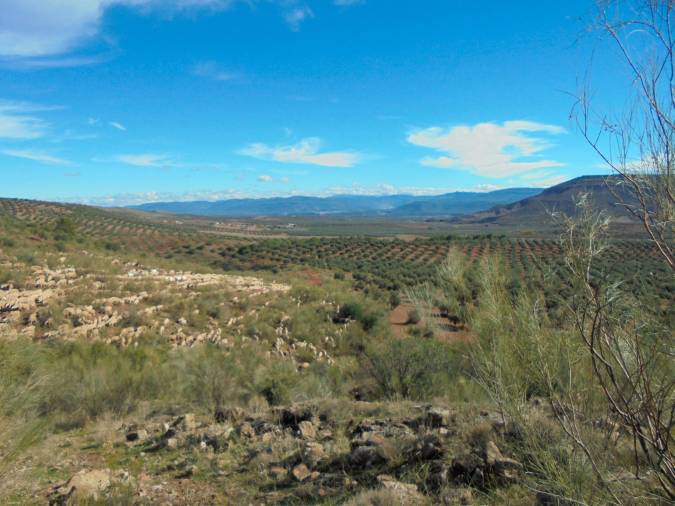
(128, 303)
(328, 452)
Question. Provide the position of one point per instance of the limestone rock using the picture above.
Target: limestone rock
(301, 472)
(86, 485)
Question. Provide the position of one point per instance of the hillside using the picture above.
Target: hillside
(459, 203)
(148, 362)
(448, 204)
(535, 210)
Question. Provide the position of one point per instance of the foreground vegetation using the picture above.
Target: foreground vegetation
(102, 372)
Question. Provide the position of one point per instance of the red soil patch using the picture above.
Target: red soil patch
(313, 277)
(445, 330)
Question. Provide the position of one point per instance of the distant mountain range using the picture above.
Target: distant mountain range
(446, 205)
(536, 209)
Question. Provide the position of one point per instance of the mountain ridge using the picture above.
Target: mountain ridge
(558, 198)
(447, 204)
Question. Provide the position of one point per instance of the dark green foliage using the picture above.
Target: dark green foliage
(64, 229)
(411, 368)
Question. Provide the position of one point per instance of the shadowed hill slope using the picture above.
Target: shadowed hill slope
(535, 210)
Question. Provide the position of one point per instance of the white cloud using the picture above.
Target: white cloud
(307, 151)
(265, 178)
(296, 15)
(117, 125)
(488, 149)
(35, 156)
(32, 32)
(145, 160)
(30, 28)
(16, 121)
(128, 199)
(212, 70)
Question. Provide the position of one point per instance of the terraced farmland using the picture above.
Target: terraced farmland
(384, 263)
(394, 264)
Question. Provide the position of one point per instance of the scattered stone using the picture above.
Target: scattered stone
(490, 466)
(187, 422)
(502, 467)
(307, 430)
(312, 453)
(301, 472)
(246, 430)
(407, 492)
(436, 418)
(171, 443)
(365, 457)
(428, 447)
(86, 485)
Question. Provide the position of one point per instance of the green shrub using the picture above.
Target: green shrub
(275, 381)
(414, 316)
(411, 368)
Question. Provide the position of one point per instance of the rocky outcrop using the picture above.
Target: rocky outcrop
(84, 486)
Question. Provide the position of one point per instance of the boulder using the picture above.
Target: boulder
(406, 493)
(428, 447)
(312, 454)
(365, 457)
(86, 485)
(501, 467)
(436, 418)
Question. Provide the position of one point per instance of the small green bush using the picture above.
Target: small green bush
(411, 368)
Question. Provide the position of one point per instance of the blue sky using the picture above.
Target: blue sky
(117, 102)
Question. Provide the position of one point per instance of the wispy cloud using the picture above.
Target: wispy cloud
(265, 178)
(146, 160)
(45, 63)
(296, 15)
(17, 120)
(118, 126)
(346, 3)
(488, 149)
(35, 156)
(307, 151)
(212, 70)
